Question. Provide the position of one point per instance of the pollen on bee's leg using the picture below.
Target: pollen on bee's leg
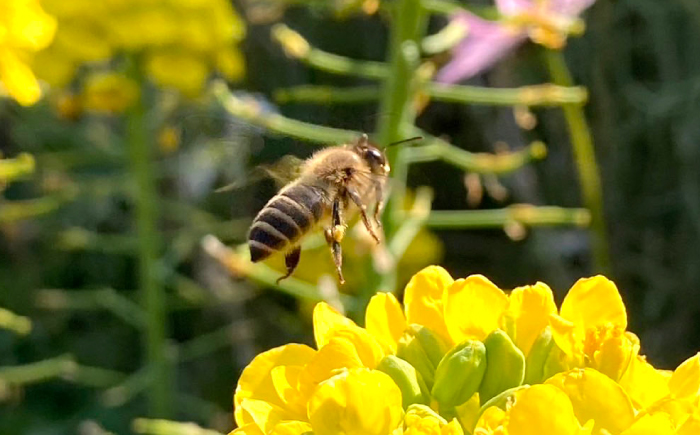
(337, 233)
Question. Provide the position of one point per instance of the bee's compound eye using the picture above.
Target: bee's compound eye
(375, 156)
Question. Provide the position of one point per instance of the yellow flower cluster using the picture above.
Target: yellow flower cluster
(178, 42)
(464, 357)
(24, 29)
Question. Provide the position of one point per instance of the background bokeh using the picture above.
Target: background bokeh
(69, 232)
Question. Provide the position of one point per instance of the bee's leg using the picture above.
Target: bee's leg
(363, 212)
(291, 260)
(334, 235)
(380, 204)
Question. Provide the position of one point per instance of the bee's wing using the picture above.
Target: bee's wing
(283, 171)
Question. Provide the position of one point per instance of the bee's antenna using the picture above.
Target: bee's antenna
(412, 139)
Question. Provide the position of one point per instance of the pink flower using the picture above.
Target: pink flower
(546, 22)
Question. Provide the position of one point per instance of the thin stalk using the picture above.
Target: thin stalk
(525, 214)
(546, 95)
(408, 21)
(39, 371)
(153, 295)
(584, 154)
(250, 111)
(14, 322)
(298, 47)
(480, 163)
(327, 94)
(237, 262)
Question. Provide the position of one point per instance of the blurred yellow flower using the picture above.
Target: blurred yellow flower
(180, 42)
(109, 92)
(24, 29)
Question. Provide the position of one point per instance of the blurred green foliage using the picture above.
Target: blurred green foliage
(69, 246)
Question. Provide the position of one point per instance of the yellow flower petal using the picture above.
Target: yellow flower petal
(595, 396)
(256, 380)
(613, 350)
(643, 383)
(338, 354)
(109, 93)
(356, 402)
(285, 379)
(291, 428)
(262, 413)
(685, 381)
(384, 319)
(186, 72)
(18, 78)
(542, 409)
(421, 420)
(468, 412)
(690, 427)
(564, 335)
(327, 322)
(529, 309)
(473, 308)
(491, 421)
(657, 424)
(594, 302)
(423, 299)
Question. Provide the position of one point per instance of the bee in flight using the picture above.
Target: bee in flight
(331, 183)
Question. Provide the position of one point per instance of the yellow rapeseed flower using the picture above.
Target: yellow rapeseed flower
(356, 402)
(109, 92)
(433, 299)
(538, 410)
(421, 420)
(24, 29)
(180, 43)
(591, 327)
(453, 358)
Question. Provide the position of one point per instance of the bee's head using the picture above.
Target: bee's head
(375, 158)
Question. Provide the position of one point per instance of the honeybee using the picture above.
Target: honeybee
(332, 181)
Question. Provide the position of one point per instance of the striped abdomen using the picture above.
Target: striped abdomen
(287, 217)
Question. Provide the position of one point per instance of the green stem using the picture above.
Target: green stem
(408, 26)
(250, 111)
(530, 96)
(11, 169)
(39, 371)
(480, 163)
(13, 211)
(546, 95)
(584, 153)
(525, 214)
(296, 46)
(238, 264)
(149, 244)
(18, 324)
(327, 94)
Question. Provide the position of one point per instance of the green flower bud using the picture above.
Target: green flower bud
(505, 368)
(406, 378)
(423, 350)
(534, 367)
(557, 362)
(459, 373)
